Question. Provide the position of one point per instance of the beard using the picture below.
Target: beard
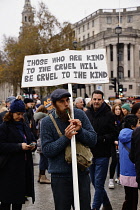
(63, 115)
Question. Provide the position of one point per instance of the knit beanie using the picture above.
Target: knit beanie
(126, 106)
(17, 106)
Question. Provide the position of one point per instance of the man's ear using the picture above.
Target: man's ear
(132, 127)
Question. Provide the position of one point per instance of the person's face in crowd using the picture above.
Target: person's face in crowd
(62, 106)
(29, 105)
(17, 116)
(138, 113)
(118, 101)
(80, 104)
(97, 101)
(117, 110)
(125, 112)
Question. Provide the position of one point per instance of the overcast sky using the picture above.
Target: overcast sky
(63, 10)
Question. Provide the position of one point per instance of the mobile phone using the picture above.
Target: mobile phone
(33, 144)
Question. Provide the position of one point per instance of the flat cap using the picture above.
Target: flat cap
(58, 94)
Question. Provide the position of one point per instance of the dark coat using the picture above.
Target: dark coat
(135, 153)
(103, 122)
(16, 177)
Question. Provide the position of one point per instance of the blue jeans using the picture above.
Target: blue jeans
(98, 174)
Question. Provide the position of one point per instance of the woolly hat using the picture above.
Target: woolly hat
(58, 94)
(28, 100)
(10, 99)
(17, 106)
(126, 106)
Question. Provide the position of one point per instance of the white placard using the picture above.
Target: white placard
(69, 66)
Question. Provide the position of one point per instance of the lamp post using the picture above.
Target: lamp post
(118, 31)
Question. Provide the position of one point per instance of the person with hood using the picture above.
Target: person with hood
(127, 168)
(103, 122)
(16, 169)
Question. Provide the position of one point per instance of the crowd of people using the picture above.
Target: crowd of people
(111, 132)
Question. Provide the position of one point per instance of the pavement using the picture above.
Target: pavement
(44, 197)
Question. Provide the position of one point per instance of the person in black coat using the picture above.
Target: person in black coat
(135, 153)
(103, 122)
(16, 175)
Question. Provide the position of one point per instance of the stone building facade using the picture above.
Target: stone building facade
(98, 31)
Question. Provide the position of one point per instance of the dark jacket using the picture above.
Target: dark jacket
(103, 122)
(16, 177)
(135, 153)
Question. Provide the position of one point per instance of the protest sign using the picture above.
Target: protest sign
(69, 66)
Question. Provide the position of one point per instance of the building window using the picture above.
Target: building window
(87, 25)
(92, 23)
(121, 49)
(130, 87)
(119, 20)
(139, 54)
(129, 19)
(128, 51)
(128, 73)
(79, 39)
(92, 33)
(79, 30)
(25, 18)
(111, 52)
(121, 72)
(83, 37)
(139, 71)
(111, 74)
(88, 36)
(89, 47)
(109, 20)
(83, 28)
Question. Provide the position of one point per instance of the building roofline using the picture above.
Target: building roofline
(108, 11)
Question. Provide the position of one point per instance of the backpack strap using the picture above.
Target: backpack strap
(56, 126)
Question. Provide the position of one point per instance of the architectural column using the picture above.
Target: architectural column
(92, 88)
(108, 60)
(83, 92)
(114, 60)
(125, 60)
(78, 93)
(131, 60)
(87, 89)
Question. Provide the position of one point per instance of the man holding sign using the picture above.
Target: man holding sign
(54, 145)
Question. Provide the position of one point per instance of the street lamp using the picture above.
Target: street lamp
(118, 31)
(75, 44)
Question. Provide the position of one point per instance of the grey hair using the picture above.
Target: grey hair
(77, 100)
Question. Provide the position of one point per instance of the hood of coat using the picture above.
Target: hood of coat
(39, 115)
(125, 135)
